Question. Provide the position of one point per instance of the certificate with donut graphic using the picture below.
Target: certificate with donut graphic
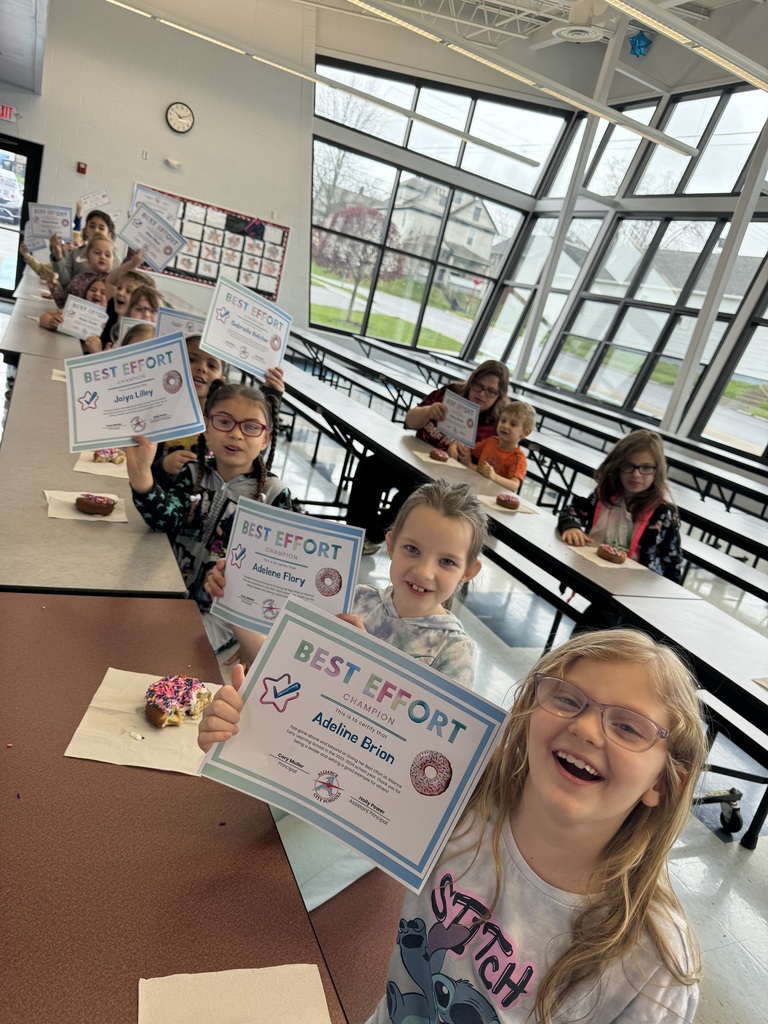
(275, 554)
(245, 330)
(359, 739)
(462, 419)
(146, 388)
(158, 240)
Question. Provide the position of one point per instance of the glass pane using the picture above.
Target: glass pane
(397, 299)
(594, 319)
(654, 398)
(454, 300)
(473, 239)
(357, 113)
(578, 242)
(418, 214)
(341, 278)
(448, 108)
(752, 251)
(640, 329)
(673, 261)
(503, 322)
(719, 166)
(530, 133)
(571, 363)
(552, 310)
(13, 174)
(562, 179)
(665, 169)
(342, 180)
(536, 251)
(740, 418)
(616, 157)
(627, 248)
(616, 375)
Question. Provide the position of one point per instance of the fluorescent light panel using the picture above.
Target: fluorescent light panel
(126, 7)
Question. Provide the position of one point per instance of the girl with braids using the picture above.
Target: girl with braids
(196, 507)
(552, 903)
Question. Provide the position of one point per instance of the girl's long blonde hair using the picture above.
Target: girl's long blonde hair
(631, 895)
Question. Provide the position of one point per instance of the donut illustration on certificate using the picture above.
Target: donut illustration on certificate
(275, 554)
(359, 739)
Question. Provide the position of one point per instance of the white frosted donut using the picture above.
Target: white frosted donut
(431, 773)
(328, 582)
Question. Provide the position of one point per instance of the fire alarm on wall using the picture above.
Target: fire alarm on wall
(81, 167)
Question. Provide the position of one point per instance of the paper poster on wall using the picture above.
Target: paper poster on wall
(221, 242)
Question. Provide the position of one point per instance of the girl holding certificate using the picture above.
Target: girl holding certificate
(486, 387)
(196, 508)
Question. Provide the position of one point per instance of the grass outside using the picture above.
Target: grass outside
(388, 328)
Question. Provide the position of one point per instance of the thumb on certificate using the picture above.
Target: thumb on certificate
(238, 675)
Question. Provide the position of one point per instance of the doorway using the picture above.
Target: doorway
(20, 163)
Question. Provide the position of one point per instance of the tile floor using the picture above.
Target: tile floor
(722, 885)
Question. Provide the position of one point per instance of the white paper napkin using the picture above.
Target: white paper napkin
(490, 501)
(257, 996)
(761, 682)
(114, 728)
(61, 505)
(85, 464)
(590, 553)
(59, 375)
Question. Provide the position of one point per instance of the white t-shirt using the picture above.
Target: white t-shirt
(449, 965)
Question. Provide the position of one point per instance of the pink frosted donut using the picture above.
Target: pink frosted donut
(172, 698)
(439, 455)
(431, 773)
(328, 582)
(611, 554)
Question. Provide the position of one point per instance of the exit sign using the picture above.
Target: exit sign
(7, 113)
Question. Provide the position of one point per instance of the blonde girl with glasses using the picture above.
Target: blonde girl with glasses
(552, 902)
(486, 386)
(196, 507)
(630, 509)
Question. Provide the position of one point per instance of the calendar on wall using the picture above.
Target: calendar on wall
(217, 241)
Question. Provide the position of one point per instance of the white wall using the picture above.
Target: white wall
(109, 76)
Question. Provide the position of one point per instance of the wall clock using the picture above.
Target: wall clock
(179, 117)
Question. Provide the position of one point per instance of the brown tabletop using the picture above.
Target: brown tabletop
(112, 873)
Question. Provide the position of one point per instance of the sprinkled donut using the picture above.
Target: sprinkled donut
(611, 554)
(115, 455)
(172, 698)
(95, 504)
(328, 582)
(431, 773)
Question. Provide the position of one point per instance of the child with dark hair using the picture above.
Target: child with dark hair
(196, 508)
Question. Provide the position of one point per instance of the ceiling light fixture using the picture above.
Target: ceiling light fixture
(333, 84)
(546, 86)
(673, 27)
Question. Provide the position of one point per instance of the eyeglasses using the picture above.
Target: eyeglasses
(491, 392)
(250, 428)
(645, 470)
(142, 310)
(625, 728)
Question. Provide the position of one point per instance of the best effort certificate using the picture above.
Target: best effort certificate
(82, 318)
(146, 388)
(359, 739)
(275, 554)
(462, 419)
(244, 329)
(47, 220)
(157, 239)
(169, 321)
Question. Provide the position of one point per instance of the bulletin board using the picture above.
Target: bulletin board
(248, 249)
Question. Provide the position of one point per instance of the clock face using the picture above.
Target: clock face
(179, 117)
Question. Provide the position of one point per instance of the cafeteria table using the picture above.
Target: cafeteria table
(114, 873)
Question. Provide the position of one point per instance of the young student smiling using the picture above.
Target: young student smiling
(500, 457)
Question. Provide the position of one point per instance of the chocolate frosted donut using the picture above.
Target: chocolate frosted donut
(95, 504)
(431, 773)
(328, 582)
(611, 554)
(508, 501)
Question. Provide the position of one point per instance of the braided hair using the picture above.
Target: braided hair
(218, 392)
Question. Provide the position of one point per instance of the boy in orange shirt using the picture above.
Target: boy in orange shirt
(500, 457)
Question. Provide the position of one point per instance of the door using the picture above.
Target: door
(20, 163)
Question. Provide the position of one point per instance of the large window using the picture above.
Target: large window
(399, 256)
